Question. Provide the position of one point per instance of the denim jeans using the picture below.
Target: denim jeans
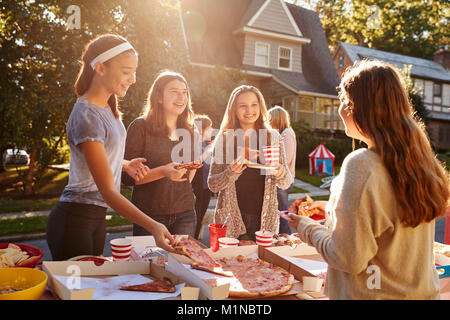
(283, 204)
(179, 223)
(75, 229)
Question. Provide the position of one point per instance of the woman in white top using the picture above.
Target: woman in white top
(280, 121)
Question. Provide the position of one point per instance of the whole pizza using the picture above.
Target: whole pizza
(254, 278)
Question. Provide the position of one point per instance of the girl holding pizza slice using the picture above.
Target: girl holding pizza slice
(382, 207)
(165, 192)
(244, 192)
(96, 136)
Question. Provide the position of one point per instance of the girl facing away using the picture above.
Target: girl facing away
(96, 137)
(382, 206)
(244, 192)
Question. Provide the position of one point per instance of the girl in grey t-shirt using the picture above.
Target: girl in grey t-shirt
(96, 136)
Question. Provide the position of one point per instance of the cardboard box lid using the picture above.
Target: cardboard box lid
(277, 256)
(176, 265)
(109, 268)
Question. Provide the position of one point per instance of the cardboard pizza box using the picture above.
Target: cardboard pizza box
(179, 265)
(145, 243)
(107, 269)
(303, 260)
(439, 258)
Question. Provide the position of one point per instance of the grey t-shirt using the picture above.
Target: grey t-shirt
(89, 122)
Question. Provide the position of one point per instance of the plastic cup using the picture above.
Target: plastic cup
(264, 239)
(272, 155)
(216, 231)
(121, 249)
(312, 284)
(228, 242)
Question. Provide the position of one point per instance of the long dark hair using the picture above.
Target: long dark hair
(373, 92)
(94, 48)
(153, 111)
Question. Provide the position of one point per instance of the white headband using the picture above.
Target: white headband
(111, 53)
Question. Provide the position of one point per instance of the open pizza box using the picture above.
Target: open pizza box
(301, 261)
(180, 265)
(69, 271)
(144, 249)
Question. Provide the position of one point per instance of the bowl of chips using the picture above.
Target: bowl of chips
(19, 255)
(22, 283)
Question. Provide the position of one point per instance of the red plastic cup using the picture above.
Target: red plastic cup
(216, 231)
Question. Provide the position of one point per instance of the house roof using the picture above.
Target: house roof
(421, 68)
(213, 42)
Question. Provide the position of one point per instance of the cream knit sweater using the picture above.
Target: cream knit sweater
(370, 254)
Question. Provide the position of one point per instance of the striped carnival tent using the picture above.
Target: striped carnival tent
(321, 161)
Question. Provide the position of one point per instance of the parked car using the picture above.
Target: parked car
(15, 156)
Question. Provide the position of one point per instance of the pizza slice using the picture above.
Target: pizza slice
(189, 166)
(185, 246)
(304, 211)
(216, 270)
(158, 285)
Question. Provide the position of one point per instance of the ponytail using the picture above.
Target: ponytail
(92, 50)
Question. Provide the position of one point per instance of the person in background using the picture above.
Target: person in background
(96, 135)
(164, 192)
(383, 204)
(280, 121)
(200, 182)
(245, 192)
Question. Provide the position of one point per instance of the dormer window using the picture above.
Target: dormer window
(285, 57)
(262, 54)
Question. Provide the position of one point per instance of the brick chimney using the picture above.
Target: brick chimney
(442, 56)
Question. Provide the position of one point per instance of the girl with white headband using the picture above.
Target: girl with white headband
(96, 137)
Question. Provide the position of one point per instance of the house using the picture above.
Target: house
(279, 47)
(431, 79)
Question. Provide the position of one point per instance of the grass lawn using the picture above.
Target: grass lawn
(303, 174)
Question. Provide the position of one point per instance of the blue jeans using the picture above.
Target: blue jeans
(283, 204)
(179, 223)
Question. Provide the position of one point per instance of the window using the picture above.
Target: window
(437, 89)
(284, 61)
(323, 113)
(262, 54)
(341, 61)
(419, 85)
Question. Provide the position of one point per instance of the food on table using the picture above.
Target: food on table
(216, 270)
(189, 166)
(158, 285)
(441, 248)
(154, 254)
(10, 289)
(13, 256)
(185, 246)
(254, 278)
(246, 243)
(284, 239)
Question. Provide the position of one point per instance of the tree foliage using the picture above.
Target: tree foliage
(40, 60)
(413, 27)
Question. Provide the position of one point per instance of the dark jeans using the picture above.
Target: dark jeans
(283, 204)
(252, 224)
(202, 198)
(75, 229)
(179, 223)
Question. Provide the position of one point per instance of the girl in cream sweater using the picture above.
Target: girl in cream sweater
(378, 239)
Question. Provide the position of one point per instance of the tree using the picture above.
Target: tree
(414, 28)
(40, 54)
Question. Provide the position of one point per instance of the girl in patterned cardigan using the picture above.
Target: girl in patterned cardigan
(244, 192)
